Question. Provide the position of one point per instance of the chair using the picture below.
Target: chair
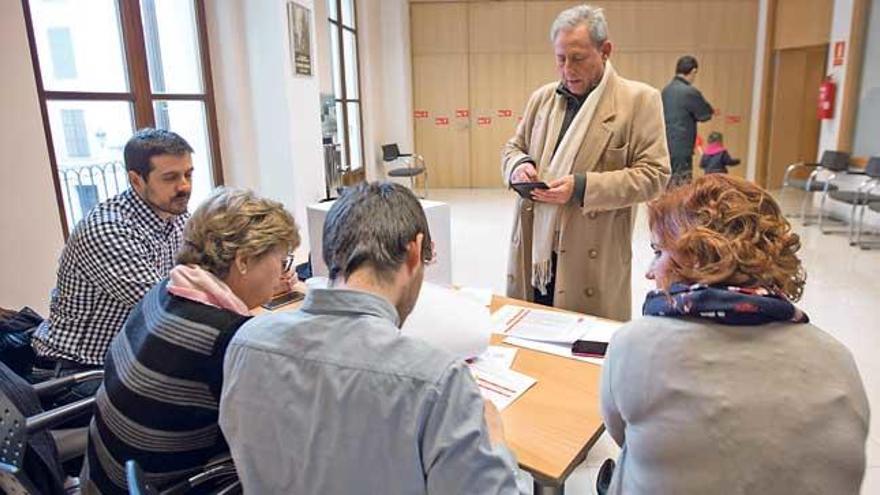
(875, 207)
(829, 166)
(391, 153)
(218, 477)
(31, 452)
(858, 198)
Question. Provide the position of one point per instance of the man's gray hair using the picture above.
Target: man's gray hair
(592, 17)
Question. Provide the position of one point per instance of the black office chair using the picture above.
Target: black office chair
(218, 477)
(391, 154)
(858, 199)
(32, 452)
(820, 179)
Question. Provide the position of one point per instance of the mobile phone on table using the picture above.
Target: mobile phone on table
(524, 189)
(589, 348)
(283, 299)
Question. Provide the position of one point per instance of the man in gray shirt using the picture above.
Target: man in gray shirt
(332, 399)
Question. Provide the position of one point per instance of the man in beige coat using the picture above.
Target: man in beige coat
(598, 141)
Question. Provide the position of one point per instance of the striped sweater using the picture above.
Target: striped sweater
(159, 401)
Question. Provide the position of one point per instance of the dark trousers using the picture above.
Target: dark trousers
(547, 300)
(682, 170)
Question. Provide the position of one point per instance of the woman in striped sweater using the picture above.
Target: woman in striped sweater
(159, 401)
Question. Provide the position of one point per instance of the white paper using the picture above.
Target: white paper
(563, 350)
(539, 324)
(443, 318)
(500, 386)
(497, 356)
(449, 321)
(483, 297)
(590, 328)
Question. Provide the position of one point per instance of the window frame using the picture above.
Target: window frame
(343, 100)
(139, 95)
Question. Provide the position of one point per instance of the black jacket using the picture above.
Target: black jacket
(718, 163)
(683, 107)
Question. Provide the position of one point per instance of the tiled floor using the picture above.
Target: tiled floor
(841, 297)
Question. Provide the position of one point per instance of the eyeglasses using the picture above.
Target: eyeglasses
(287, 263)
(433, 257)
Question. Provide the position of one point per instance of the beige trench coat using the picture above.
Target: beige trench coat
(626, 162)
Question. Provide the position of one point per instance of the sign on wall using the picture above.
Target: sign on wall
(299, 24)
(839, 52)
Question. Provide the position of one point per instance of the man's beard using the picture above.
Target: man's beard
(169, 207)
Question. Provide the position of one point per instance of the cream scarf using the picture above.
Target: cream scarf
(554, 166)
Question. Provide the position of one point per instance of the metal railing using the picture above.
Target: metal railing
(85, 185)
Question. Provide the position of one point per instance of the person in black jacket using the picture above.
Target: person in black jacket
(716, 159)
(683, 107)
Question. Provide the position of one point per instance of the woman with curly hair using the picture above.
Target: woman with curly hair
(724, 386)
(163, 373)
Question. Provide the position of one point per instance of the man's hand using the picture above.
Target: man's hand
(524, 172)
(493, 422)
(559, 193)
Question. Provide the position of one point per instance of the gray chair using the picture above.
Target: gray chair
(875, 207)
(858, 198)
(413, 165)
(821, 176)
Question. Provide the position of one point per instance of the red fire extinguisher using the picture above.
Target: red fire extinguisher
(826, 99)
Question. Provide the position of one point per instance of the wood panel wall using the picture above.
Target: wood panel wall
(493, 54)
(802, 23)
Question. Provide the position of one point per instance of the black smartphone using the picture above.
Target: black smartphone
(589, 348)
(524, 189)
(283, 299)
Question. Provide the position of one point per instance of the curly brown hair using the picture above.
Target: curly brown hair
(232, 221)
(721, 229)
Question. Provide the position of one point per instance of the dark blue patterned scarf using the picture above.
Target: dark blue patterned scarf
(723, 304)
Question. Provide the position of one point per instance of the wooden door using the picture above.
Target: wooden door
(439, 33)
(487, 57)
(794, 127)
(497, 84)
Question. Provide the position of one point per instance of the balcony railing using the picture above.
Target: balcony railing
(85, 185)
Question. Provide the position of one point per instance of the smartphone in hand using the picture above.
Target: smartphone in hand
(524, 189)
(283, 299)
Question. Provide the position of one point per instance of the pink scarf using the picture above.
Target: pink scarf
(197, 284)
(713, 148)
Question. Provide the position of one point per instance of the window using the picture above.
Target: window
(346, 83)
(75, 139)
(61, 49)
(105, 68)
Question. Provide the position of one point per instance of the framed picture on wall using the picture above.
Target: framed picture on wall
(299, 25)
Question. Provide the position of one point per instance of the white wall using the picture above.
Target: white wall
(386, 79)
(757, 90)
(29, 217)
(841, 23)
(269, 119)
(866, 142)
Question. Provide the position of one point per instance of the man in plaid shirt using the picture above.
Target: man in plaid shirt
(116, 254)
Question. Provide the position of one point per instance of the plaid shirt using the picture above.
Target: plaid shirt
(114, 256)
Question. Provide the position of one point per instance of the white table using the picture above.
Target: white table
(438, 221)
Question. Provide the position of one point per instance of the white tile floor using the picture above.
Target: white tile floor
(843, 289)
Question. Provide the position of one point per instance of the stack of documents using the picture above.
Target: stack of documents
(498, 383)
(552, 332)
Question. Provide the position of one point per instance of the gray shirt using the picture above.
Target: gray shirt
(332, 399)
(700, 407)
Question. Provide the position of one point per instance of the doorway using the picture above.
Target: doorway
(794, 125)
